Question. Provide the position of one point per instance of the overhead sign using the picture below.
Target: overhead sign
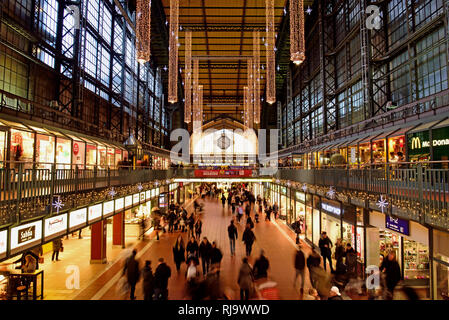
(55, 226)
(94, 212)
(3, 243)
(153, 193)
(119, 204)
(147, 194)
(142, 196)
(25, 236)
(135, 198)
(77, 218)
(108, 208)
(223, 173)
(331, 209)
(398, 225)
(301, 196)
(128, 201)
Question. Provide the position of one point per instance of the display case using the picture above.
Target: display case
(416, 260)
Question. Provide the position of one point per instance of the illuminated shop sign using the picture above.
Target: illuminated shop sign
(108, 208)
(135, 198)
(147, 194)
(95, 212)
(77, 218)
(119, 204)
(128, 201)
(330, 209)
(301, 196)
(142, 196)
(3, 243)
(25, 236)
(418, 144)
(398, 225)
(55, 226)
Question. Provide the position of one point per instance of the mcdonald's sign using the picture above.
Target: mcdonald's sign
(416, 143)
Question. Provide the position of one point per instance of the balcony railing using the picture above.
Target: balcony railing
(414, 191)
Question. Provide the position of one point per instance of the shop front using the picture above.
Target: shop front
(408, 239)
(440, 265)
(299, 212)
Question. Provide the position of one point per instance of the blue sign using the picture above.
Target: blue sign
(398, 225)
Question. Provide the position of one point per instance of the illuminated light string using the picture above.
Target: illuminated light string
(271, 59)
(173, 52)
(382, 203)
(58, 205)
(196, 95)
(250, 94)
(256, 54)
(297, 38)
(143, 30)
(188, 78)
(245, 106)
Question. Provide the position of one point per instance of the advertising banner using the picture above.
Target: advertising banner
(3, 243)
(135, 199)
(95, 212)
(108, 208)
(77, 219)
(55, 227)
(119, 204)
(128, 201)
(25, 236)
(223, 173)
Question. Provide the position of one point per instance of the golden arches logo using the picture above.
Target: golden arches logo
(416, 143)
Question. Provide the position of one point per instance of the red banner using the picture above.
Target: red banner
(223, 173)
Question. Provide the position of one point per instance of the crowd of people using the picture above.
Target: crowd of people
(202, 257)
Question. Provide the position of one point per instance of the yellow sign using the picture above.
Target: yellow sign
(416, 143)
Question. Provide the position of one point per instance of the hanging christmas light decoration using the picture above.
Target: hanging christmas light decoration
(297, 39)
(245, 105)
(188, 78)
(256, 53)
(195, 86)
(250, 94)
(271, 59)
(200, 103)
(143, 30)
(173, 52)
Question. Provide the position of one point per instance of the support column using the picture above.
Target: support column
(98, 242)
(118, 229)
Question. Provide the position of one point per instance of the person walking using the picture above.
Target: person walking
(215, 258)
(198, 228)
(233, 235)
(239, 213)
(340, 267)
(191, 225)
(161, 276)
(268, 211)
(131, 270)
(148, 281)
(192, 251)
(57, 246)
(245, 279)
(261, 266)
(179, 252)
(275, 210)
(204, 253)
(325, 245)
(223, 200)
(248, 238)
(250, 222)
(300, 266)
(351, 261)
(390, 267)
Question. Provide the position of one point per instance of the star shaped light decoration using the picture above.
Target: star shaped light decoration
(139, 187)
(331, 193)
(309, 10)
(58, 205)
(382, 203)
(304, 187)
(112, 192)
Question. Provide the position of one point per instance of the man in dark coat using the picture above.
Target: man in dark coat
(161, 276)
(300, 265)
(325, 245)
(148, 281)
(390, 267)
(179, 252)
(132, 272)
(215, 257)
(192, 251)
(232, 234)
(248, 238)
(261, 266)
(204, 253)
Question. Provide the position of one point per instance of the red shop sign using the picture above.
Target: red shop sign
(223, 173)
(76, 148)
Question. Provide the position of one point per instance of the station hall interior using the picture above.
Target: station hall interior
(224, 150)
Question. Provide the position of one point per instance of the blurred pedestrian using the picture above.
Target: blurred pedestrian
(261, 266)
(248, 238)
(215, 258)
(325, 245)
(132, 272)
(179, 252)
(161, 276)
(245, 279)
(148, 281)
(204, 253)
(198, 228)
(232, 234)
(390, 267)
(57, 246)
(300, 266)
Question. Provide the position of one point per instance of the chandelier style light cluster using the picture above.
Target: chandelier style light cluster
(297, 39)
(143, 30)
(271, 60)
(188, 78)
(245, 105)
(196, 95)
(256, 74)
(173, 52)
(250, 95)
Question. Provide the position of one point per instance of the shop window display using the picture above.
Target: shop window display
(396, 149)
(365, 154)
(91, 156)
(22, 147)
(309, 222)
(332, 227)
(353, 156)
(102, 157)
(442, 278)
(110, 157)
(379, 151)
(416, 260)
(78, 154)
(63, 153)
(45, 151)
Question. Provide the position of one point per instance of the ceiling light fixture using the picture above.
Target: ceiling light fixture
(173, 52)
(297, 39)
(271, 59)
(143, 30)
(188, 78)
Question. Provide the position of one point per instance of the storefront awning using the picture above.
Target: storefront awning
(356, 141)
(442, 124)
(401, 131)
(15, 125)
(424, 126)
(344, 143)
(386, 134)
